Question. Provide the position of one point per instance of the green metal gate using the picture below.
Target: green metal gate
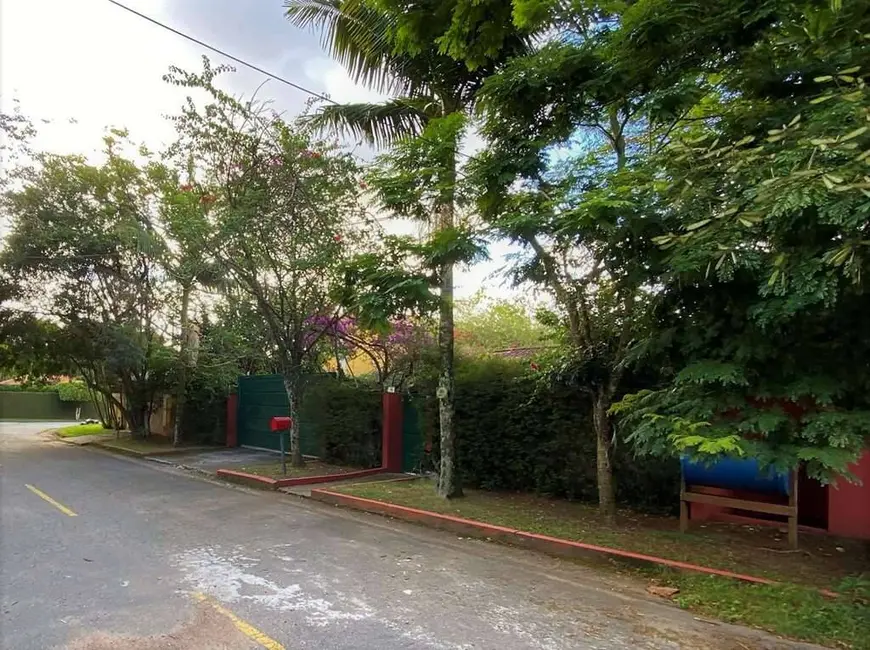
(262, 397)
(413, 439)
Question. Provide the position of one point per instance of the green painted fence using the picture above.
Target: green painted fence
(413, 439)
(340, 420)
(262, 397)
(41, 405)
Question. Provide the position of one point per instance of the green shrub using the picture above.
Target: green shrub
(73, 391)
(514, 434)
(345, 415)
(204, 419)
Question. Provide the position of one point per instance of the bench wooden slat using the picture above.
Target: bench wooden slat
(741, 504)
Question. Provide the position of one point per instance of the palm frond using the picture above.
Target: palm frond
(356, 35)
(378, 124)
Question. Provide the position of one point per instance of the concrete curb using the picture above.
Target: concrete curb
(265, 483)
(250, 480)
(544, 543)
(121, 451)
(327, 478)
(135, 453)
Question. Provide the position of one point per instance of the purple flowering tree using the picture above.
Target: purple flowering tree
(279, 203)
(394, 353)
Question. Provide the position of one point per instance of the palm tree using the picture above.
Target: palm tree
(425, 86)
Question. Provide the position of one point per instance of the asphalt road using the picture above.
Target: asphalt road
(170, 561)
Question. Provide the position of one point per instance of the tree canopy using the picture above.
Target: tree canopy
(686, 184)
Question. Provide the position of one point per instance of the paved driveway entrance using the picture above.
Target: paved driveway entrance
(210, 461)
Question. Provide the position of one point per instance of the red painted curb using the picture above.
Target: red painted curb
(248, 479)
(551, 545)
(326, 478)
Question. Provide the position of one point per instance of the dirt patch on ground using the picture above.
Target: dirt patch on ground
(208, 630)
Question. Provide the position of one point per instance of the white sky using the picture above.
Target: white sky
(92, 62)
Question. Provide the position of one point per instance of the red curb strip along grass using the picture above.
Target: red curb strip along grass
(251, 480)
(265, 483)
(326, 478)
(545, 543)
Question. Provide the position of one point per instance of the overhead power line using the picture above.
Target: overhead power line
(217, 50)
(223, 53)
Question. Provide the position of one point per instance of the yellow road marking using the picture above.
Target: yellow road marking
(45, 497)
(241, 625)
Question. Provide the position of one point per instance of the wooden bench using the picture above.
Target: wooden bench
(688, 495)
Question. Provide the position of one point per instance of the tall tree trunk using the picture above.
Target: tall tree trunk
(601, 424)
(137, 416)
(449, 485)
(183, 363)
(292, 386)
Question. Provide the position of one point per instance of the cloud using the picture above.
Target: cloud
(337, 83)
(89, 61)
(94, 62)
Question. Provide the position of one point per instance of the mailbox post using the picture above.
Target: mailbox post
(280, 424)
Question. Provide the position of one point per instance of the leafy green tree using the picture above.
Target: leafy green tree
(280, 203)
(765, 297)
(84, 252)
(488, 325)
(565, 176)
(393, 47)
(29, 348)
(190, 263)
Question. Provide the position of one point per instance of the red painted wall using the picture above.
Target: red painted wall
(849, 503)
(391, 448)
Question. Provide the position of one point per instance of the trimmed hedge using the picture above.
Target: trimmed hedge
(346, 415)
(41, 405)
(516, 435)
(204, 419)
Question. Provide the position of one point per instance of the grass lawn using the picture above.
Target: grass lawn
(793, 611)
(312, 468)
(76, 430)
(796, 610)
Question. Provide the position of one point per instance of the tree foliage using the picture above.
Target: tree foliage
(768, 212)
(279, 202)
(84, 251)
(408, 49)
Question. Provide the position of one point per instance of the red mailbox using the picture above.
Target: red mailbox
(280, 423)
